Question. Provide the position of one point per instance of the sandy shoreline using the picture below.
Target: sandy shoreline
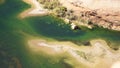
(35, 10)
(92, 56)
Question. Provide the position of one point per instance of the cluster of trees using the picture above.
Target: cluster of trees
(70, 15)
(58, 9)
(64, 12)
(49, 4)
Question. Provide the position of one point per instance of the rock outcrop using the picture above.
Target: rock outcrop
(103, 13)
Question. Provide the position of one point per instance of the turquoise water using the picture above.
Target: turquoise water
(55, 28)
(13, 38)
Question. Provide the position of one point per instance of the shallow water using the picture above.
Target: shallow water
(52, 27)
(15, 31)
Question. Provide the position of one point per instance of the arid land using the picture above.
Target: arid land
(104, 13)
(87, 13)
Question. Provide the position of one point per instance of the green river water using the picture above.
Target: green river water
(14, 33)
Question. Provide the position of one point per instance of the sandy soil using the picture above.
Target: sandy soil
(35, 10)
(107, 11)
(103, 7)
(98, 55)
(111, 5)
(101, 4)
(116, 65)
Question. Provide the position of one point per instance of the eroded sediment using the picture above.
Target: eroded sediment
(98, 53)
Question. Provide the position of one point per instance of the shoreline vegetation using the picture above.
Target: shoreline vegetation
(96, 54)
(100, 13)
(58, 10)
(73, 13)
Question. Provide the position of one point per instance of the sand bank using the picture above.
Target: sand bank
(97, 55)
(35, 10)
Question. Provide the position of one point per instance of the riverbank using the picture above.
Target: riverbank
(35, 10)
(95, 55)
(104, 14)
(101, 13)
(88, 57)
(15, 33)
(83, 15)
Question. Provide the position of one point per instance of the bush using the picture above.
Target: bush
(60, 11)
(50, 4)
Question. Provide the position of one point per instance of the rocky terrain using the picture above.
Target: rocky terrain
(104, 13)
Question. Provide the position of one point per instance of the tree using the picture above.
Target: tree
(61, 11)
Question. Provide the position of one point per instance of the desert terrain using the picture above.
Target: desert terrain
(104, 13)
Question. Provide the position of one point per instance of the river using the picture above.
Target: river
(14, 32)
